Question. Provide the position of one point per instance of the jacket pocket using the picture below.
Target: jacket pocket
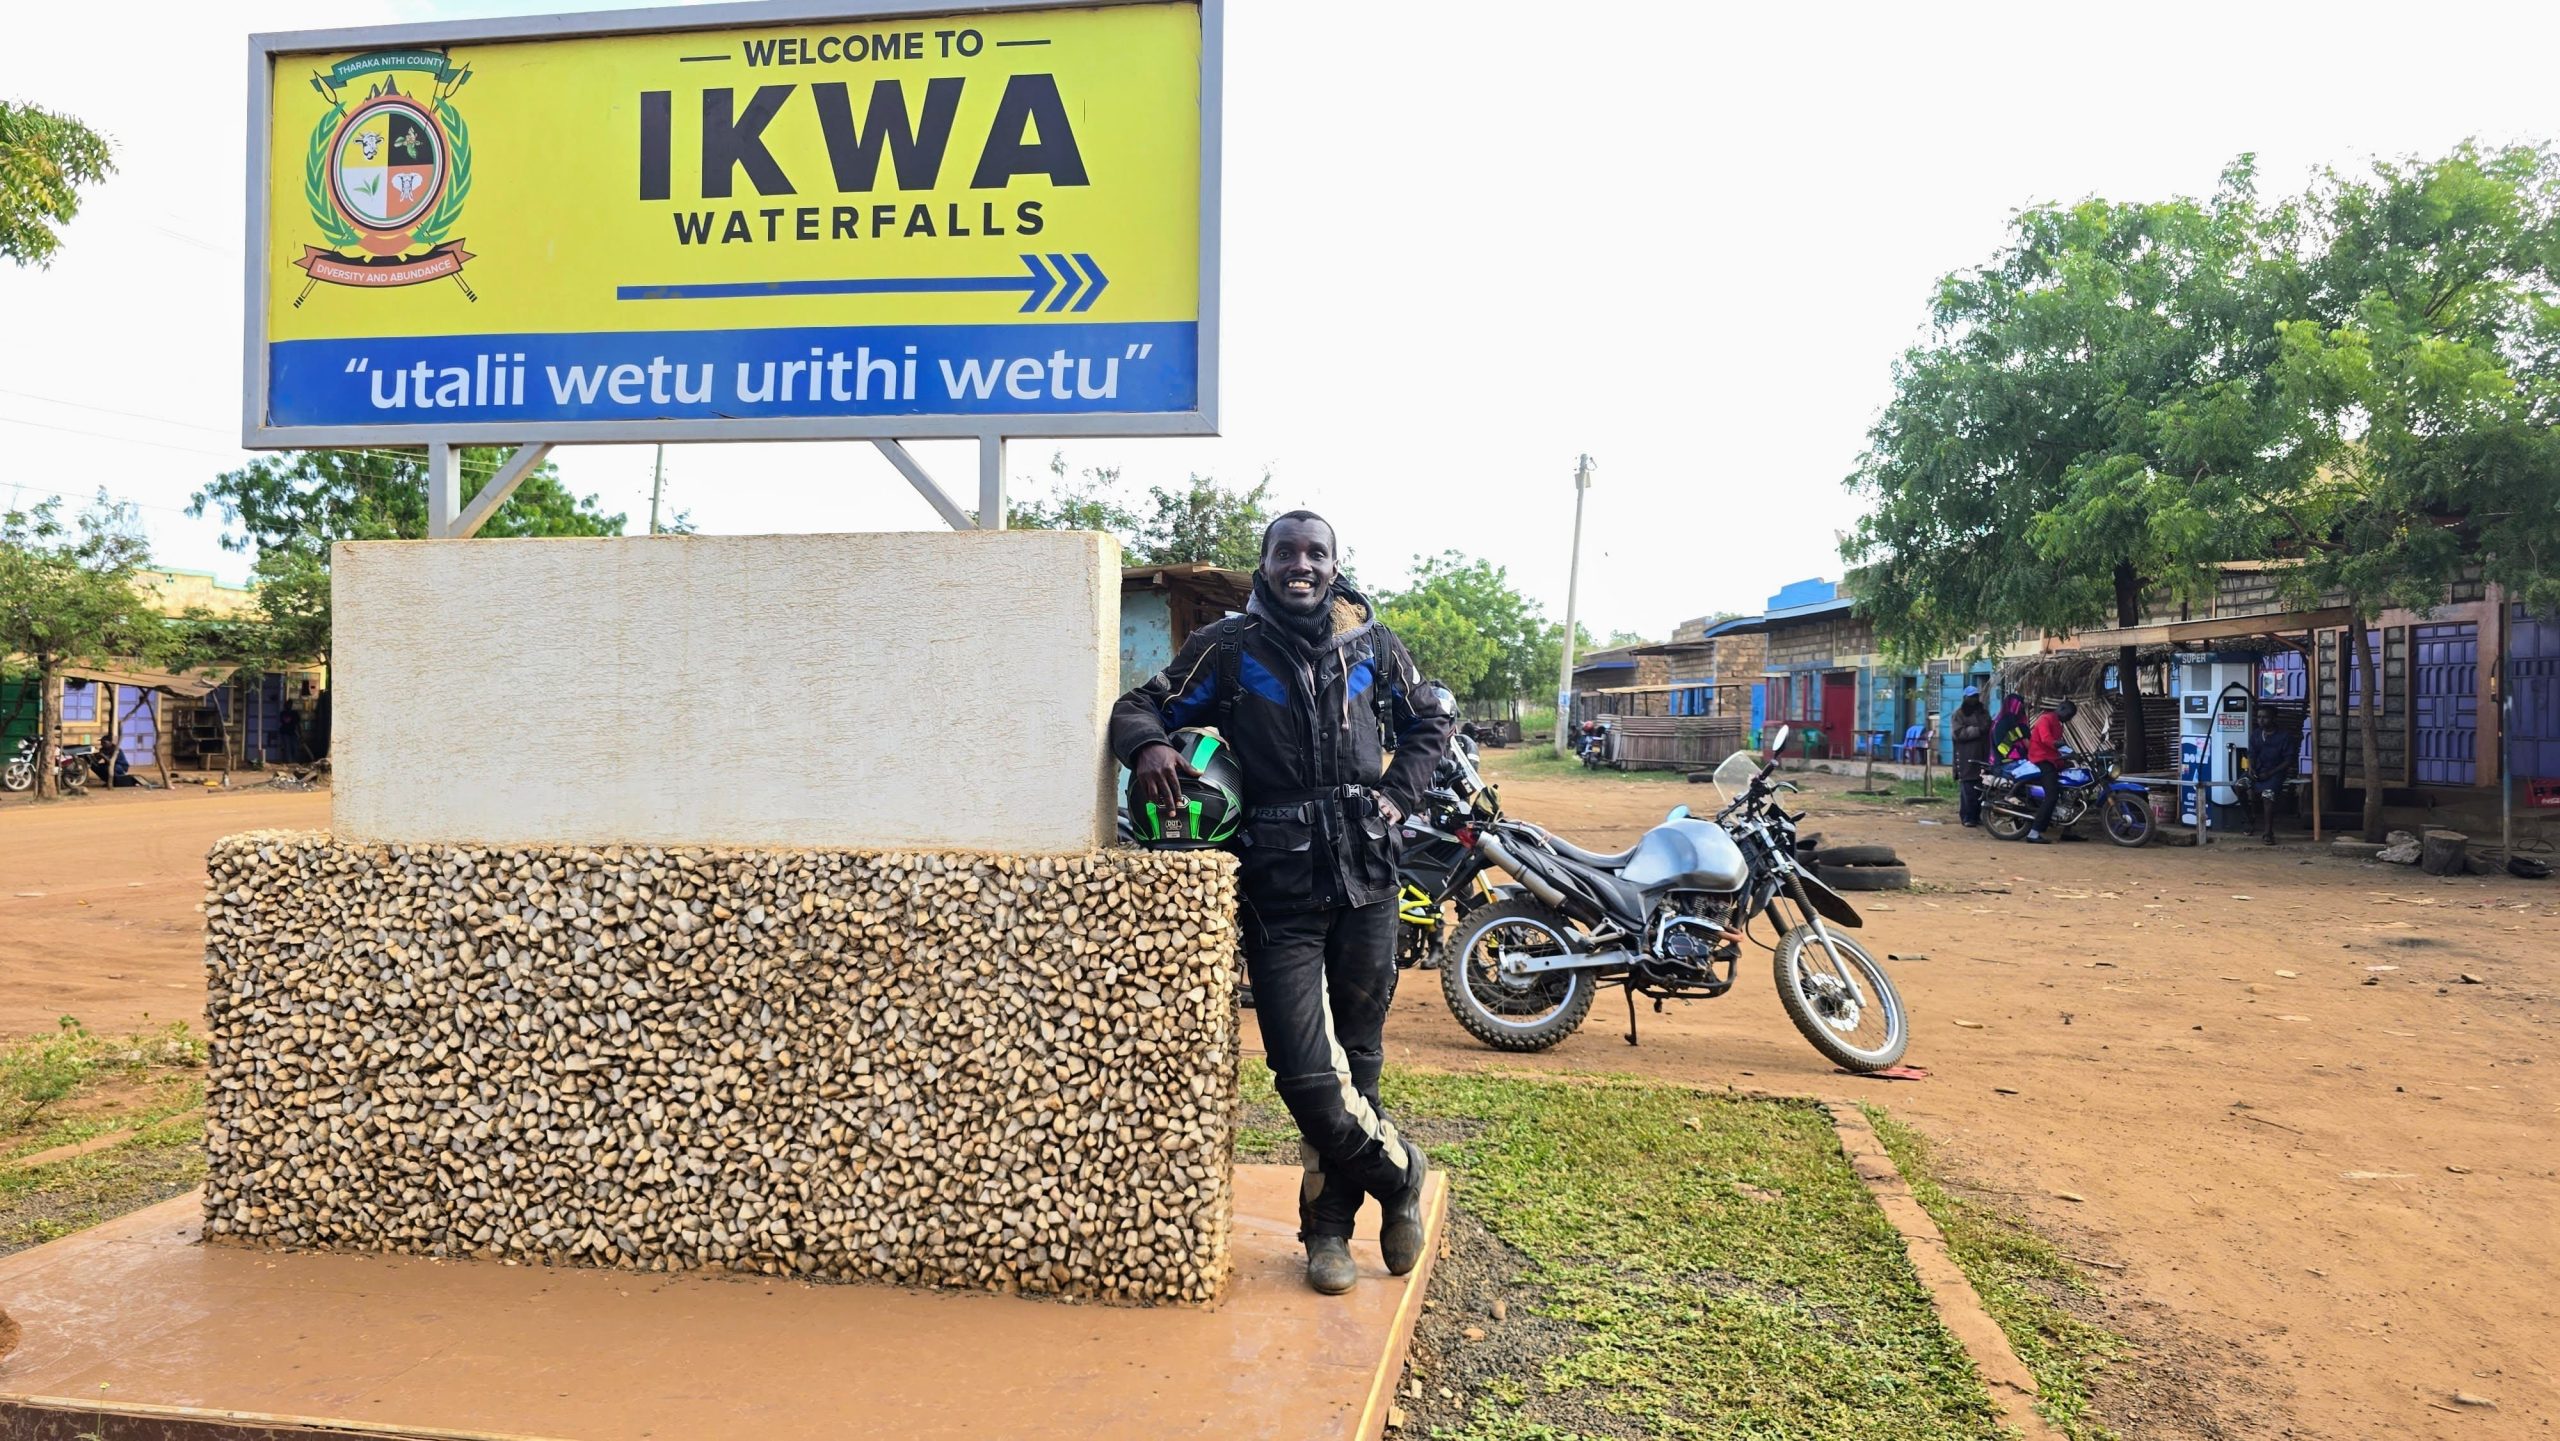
(1276, 860)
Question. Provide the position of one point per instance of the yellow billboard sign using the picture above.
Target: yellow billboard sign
(745, 221)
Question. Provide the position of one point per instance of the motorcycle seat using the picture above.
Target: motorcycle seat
(1570, 851)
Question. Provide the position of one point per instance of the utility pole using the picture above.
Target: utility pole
(657, 486)
(1572, 592)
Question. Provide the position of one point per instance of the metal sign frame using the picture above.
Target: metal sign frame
(448, 516)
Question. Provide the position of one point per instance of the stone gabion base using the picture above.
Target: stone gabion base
(956, 1069)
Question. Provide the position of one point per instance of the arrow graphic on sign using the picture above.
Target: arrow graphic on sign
(1054, 283)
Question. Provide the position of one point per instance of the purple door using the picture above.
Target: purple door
(2533, 691)
(2448, 696)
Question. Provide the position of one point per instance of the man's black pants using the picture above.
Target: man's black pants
(2050, 777)
(1321, 983)
(1968, 792)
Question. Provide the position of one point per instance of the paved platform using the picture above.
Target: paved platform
(136, 1330)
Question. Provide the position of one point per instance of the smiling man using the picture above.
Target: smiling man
(1306, 688)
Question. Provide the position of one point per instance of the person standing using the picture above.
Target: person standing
(1971, 729)
(2045, 741)
(2009, 732)
(1304, 687)
(2274, 751)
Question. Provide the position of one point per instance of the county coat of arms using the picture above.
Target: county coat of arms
(387, 173)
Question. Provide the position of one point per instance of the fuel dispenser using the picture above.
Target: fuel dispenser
(2215, 697)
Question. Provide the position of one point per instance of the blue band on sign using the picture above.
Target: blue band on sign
(1149, 367)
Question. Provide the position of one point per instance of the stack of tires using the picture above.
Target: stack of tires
(1848, 868)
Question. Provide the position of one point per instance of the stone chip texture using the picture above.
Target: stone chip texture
(1016, 1073)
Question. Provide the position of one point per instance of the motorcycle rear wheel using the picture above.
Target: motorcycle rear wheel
(1524, 1016)
(2128, 819)
(1853, 1017)
(2003, 823)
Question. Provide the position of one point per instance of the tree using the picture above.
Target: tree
(1202, 522)
(1445, 642)
(1619, 638)
(290, 509)
(1089, 502)
(67, 598)
(1524, 648)
(1205, 523)
(2079, 428)
(2420, 396)
(44, 160)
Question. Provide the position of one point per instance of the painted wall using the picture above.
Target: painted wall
(942, 689)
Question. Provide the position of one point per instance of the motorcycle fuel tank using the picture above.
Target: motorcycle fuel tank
(1688, 855)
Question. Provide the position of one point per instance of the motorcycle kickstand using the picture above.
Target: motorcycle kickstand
(1631, 1013)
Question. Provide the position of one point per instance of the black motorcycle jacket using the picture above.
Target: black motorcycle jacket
(1304, 722)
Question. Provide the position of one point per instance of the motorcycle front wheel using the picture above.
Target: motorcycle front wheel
(1849, 1011)
(17, 777)
(2128, 819)
(1529, 1013)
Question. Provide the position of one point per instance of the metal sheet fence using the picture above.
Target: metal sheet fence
(1674, 742)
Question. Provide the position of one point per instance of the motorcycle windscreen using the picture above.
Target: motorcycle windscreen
(1828, 903)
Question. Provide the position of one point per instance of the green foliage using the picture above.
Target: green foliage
(1449, 594)
(1205, 523)
(1199, 523)
(2088, 416)
(290, 509)
(318, 497)
(44, 160)
(1445, 642)
(35, 1075)
(1714, 1266)
(2422, 390)
(2019, 1275)
(67, 598)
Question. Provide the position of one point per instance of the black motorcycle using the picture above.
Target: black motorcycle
(1665, 919)
(1438, 863)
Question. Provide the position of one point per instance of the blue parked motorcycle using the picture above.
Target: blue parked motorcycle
(2011, 793)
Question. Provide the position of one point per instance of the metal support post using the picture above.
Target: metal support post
(934, 495)
(991, 506)
(500, 486)
(442, 506)
(1572, 593)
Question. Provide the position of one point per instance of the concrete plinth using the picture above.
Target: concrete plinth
(135, 1330)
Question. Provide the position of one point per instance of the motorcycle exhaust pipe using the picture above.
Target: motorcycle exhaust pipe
(1539, 886)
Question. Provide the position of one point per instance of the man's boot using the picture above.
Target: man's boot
(1400, 1237)
(1330, 1269)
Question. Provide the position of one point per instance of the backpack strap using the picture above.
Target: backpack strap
(1382, 699)
(1230, 670)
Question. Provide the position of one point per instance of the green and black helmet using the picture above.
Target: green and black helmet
(1212, 801)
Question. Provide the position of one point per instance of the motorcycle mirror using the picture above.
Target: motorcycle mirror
(1778, 742)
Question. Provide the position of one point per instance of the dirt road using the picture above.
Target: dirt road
(98, 899)
(2347, 1194)
(2344, 1193)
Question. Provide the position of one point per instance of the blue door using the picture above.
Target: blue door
(2448, 696)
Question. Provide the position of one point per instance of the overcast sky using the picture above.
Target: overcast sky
(1463, 244)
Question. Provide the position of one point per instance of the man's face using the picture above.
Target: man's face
(1299, 562)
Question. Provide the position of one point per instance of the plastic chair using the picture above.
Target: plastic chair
(1911, 745)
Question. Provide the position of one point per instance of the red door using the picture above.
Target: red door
(1839, 712)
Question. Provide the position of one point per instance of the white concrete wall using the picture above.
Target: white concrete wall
(944, 690)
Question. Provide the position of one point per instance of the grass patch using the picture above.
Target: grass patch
(1897, 792)
(1542, 763)
(1710, 1266)
(45, 1203)
(2023, 1282)
(74, 1085)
